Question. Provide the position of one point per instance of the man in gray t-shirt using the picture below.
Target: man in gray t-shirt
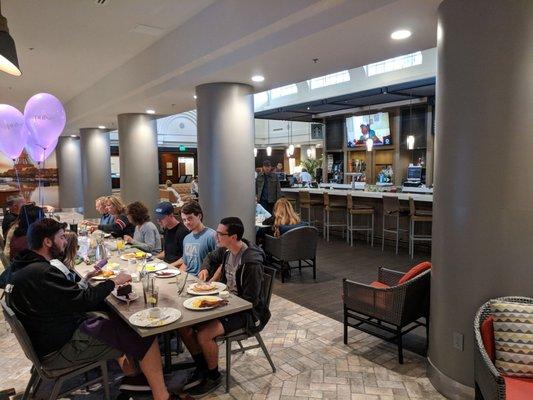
(232, 263)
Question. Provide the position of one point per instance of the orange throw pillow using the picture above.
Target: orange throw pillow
(415, 271)
(379, 285)
(487, 336)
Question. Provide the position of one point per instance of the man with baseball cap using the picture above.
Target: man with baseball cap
(174, 232)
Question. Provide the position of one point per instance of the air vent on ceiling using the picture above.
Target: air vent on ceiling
(101, 2)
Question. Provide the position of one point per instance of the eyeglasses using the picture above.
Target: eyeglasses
(222, 233)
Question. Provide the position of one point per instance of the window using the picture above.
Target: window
(284, 91)
(331, 79)
(394, 64)
(260, 99)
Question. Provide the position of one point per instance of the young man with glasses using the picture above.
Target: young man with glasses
(173, 233)
(241, 269)
(199, 242)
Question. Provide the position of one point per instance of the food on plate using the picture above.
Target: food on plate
(128, 256)
(106, 274)
(165, 273)
(124, 290)
(139, 254)
(204, 303)
(204, 287)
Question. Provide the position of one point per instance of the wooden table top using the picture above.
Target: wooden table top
(168, 297)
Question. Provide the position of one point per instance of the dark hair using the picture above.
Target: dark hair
(192, 207)
(138, 213)
(234, 225)
(267, 163)
(40, 230)
(28, 214)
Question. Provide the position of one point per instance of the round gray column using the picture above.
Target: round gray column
(95, 167)
(68, 155)
(483, 213)
(225, 153)
(139, 160)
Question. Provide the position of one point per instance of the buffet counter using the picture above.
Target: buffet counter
(428, 198)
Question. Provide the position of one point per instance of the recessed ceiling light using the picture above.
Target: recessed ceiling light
(400, 34)
(258, 78)
(101, 127)
(150, 111)
(195, 97)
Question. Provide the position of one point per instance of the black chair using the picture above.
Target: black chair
(390, 309)
(298, 244)
(240, 335)
(40, 373)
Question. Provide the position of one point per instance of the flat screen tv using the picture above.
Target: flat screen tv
(362, 127)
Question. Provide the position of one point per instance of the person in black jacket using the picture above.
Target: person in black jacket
(239, 264)
(53, 310)
(121, 225)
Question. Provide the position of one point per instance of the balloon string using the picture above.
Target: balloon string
(17, 174)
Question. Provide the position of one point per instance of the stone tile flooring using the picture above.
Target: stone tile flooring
(312, 363)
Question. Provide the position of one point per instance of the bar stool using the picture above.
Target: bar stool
(359, 209)
(392, 209)
(307, 203)
(417, 216)
(337, 205)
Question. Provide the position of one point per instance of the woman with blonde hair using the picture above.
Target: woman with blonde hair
(121, 225)
(285, 218)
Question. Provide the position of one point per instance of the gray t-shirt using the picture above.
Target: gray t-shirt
(147, 238)
(233, 261)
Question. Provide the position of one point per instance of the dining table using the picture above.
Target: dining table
(167, 297)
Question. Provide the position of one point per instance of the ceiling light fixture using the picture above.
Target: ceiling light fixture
(258, 78)
(400, 34)
(9, 62)
(195, 97)
(150, 111)
(255, 151)
(74, 136)
(309, 152)
(101, 127)
(410, 142)
(369, 144)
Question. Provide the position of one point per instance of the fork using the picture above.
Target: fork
(180, 290)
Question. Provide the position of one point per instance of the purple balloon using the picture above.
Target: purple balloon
(37, 153)
(13, 133)
(45, 118)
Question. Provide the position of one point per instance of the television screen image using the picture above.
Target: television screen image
(363, 127)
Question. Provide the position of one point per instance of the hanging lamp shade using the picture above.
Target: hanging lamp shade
(9, 62)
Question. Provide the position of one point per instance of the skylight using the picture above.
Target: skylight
(394, 64)
(327, 80)
(284, 91)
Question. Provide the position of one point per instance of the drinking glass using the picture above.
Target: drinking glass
(181, 282)
(120, 245)
(153, 296)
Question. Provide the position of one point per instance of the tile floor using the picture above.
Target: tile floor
(312, 363)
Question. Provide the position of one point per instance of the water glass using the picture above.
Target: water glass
(181, 282)
(153, 296)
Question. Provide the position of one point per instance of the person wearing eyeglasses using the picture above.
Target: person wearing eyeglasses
(240, 266)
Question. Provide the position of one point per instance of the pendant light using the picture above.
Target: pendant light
(309, 151)
(410, 137)
(9, 62)
(269, 148)
(255, 151)
(290, 149)
(369, 142)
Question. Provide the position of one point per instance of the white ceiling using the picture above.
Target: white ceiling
(88, 57)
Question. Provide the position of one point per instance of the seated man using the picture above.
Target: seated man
(198, 243)
(173, 233)
(52, 308)
(241, 268)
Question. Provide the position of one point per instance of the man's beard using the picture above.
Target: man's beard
(56, 252)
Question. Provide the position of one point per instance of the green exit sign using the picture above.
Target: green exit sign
(182, 148)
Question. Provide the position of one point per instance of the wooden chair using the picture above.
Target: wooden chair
(361, 210)
(420, 216)
(40, 373)
(392, 210)
(333, 204)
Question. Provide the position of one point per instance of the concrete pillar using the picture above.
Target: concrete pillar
(225, 153)
(483, 213)
(68, 155)
(95, 167)
(139, 159)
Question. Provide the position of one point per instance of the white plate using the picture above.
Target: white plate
(142, 319)
(103, 278)
(132, 296)
(157, 267)
(169, 273)
(219, 288)
(189, 302)
(123, 256)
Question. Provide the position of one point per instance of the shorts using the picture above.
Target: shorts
(79, 350)
(233, 322)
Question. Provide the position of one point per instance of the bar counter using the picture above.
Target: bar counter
(374, 199)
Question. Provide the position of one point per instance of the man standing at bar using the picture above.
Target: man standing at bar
(267, 188)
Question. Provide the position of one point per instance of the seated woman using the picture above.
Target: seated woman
(146, 236)
(16, 236)
(170, 189)
(121, 225)
(283, 220)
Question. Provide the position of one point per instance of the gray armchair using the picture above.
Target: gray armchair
(298, 244)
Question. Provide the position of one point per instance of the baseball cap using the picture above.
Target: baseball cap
(163, 209)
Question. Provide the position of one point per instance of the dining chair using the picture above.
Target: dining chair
(240, 335)
(40, 373)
